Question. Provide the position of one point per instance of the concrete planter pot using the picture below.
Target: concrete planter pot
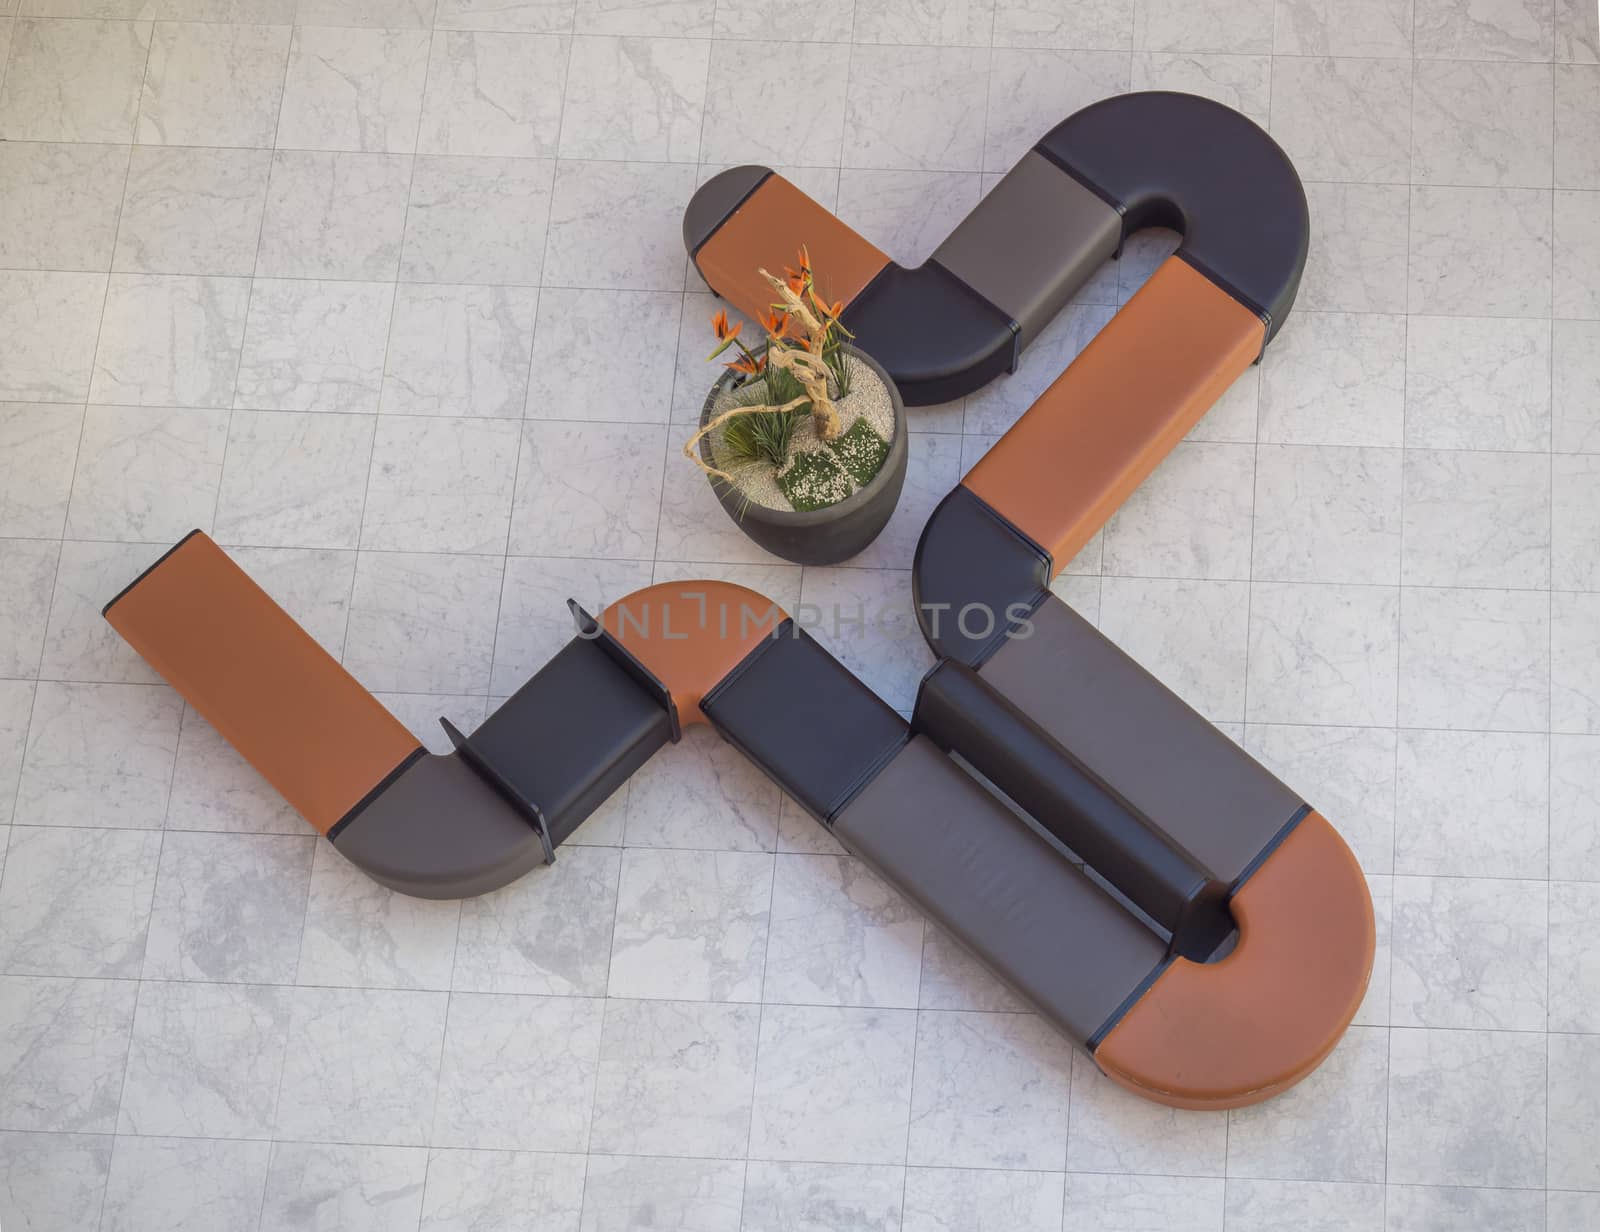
(821, 536)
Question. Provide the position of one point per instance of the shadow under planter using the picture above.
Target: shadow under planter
(819, 536)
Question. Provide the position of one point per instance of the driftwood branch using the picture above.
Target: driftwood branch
(691, 451)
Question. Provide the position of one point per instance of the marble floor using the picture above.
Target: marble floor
(389, 296)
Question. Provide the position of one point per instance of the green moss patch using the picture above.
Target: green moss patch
(814, 481)
(860, 451)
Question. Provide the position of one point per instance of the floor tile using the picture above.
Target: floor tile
(459, 351)
(1326, 514)
(1479, 123)
(1471, 804)
(1577, 263)
(59, 204)
(79, 645)
(989, 1091)
(635, 98)
(31, 566)
(1574, 1111)
(534, 620)
(942, 1198)
(1307, 1206)
(1348, 774)
(440, 484)
(675, 1078)
(1476, 518)
(691, 925)
(1480, 251)
(334, 215)
(1347, 120)
(360, 934)
(1575, 373)
(755, 19)
(906, 213)
(1124, 1203)
(170, 341)
(1336, 379)
(518, 1073)
(205, 1060)
(314, 346)
(734, 95)
(1190, 519)
(477, 220)
(1575, 560)
(840, 936)
(38, 452)
(215, 789)
(76, 902)
(99, 755)
(73, 80)
(1466, 1107)
(1215, 25)
(1359, 245)
(374, 14)
(190, 210)
(1574, 957)
(1475, 659)
(294, 480)
(16, 705)
(1323, 654)
(1577, 33)
(1498, 30)
(620, 1192)
(350, 89)
(184, 1185)
(548, 934)
(587, 489)
(423, 622)
(229, 907)
(702, 793)
(1478, 383)
(1575, 806)
(502, 1191)
(1334, 28)
(1240, 82)
(1113, 1131)
(1031, 91)
(1577, 149)
(53, 1180)
(1328, 1128)
(62, 1051)
(50, 322)
(839, 1197)
(953, 979)
(1191, 635)
(959, 23)
(494, 94)
(1424, 1208)
(146, 474)
(527, 16)
(361, 1066)
(833, 1085)
(352, 1188)
(618, 225)
(579, 373)
(1574, 666)
(209, 84)
(1470, 952)
(865, 619)
(916, 108)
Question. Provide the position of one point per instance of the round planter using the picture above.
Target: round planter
(821, 536)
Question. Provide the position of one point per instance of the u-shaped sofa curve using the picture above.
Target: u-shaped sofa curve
(1217, 936)
(952, 324)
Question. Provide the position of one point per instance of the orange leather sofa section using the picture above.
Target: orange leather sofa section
(261, 680)
(1135, 391)
(1252, 1024)
(766, 232)
(691, 634)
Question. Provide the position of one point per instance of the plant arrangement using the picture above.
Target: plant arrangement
(800, 422)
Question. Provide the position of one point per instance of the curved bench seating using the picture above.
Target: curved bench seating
(1167, 903)
(961, 318)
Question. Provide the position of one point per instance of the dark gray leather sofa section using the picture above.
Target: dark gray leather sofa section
(969, 862)
(1210, 797)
